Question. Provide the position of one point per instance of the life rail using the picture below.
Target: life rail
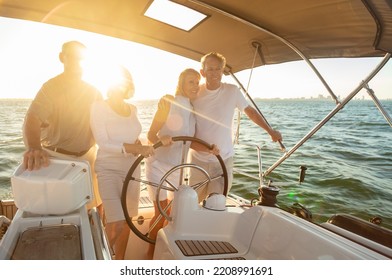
(340, 105)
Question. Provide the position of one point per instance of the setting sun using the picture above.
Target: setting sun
(100, 72)
(27, 63)
(154, 74)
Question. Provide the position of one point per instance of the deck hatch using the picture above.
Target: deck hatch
(59, 242)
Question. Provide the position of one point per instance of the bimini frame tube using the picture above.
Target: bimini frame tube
(340, 106)
(383, 112)
(287, 43)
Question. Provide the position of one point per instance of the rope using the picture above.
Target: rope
(253, 65)
(237, 133)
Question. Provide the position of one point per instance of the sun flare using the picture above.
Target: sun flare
(101, 73)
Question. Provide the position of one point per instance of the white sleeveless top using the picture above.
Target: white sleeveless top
(180, 122)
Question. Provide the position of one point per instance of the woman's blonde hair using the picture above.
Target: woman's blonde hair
(181, 79)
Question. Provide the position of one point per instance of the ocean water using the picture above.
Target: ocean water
(349, 160)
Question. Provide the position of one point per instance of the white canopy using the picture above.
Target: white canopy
(315, 29)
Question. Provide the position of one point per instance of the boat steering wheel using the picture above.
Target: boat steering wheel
(165, 184)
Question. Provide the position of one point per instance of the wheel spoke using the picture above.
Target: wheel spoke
(200, 184)
(217, 177)
(157, 220)
(163, 212)
(145, 182)
(173, 187)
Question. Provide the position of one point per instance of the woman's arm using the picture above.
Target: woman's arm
(158, 121)
(257, 119)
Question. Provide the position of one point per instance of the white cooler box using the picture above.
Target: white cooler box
(58, 189)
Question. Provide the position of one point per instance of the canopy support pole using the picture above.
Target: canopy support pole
(340, 106)
(378, 104)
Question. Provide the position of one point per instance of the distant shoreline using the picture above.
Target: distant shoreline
(255, 99)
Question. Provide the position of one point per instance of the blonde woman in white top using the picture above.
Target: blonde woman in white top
(116, 129)
(175, 118)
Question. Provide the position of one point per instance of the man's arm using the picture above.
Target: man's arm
(259, 120)
(201, 148)
(32, 131)
(34, 157)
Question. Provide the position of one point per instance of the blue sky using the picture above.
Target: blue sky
(29, 57)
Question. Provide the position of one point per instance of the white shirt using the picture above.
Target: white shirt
(180, 122)
(214, 118)
(111, 130)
